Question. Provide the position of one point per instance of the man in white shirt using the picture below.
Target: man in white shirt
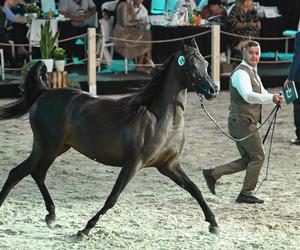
(141, 13)
(247, 95)
(181, 5)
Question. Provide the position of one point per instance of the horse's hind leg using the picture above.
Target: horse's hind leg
(177, 174)
(126, 174)
(39, 175)
(17, 174)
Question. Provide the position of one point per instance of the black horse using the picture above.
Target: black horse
(145, 129)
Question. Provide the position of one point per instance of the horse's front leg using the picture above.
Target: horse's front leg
(176, 173)
(126, 174)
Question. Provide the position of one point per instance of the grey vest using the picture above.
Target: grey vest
(238, 106)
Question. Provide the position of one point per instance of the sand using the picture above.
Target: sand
(152, 212)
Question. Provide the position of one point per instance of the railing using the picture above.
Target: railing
(215, 50)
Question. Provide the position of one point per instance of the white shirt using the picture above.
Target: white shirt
(141, 13)
(242, 82)
(181, 5)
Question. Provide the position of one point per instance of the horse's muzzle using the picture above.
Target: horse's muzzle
(208, 88)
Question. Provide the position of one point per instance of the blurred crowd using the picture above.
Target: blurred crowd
(130, 20)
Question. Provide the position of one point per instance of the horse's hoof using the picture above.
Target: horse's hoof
(81, 236)
(50, 219)
(213, 229)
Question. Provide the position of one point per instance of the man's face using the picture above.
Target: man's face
(11, 3)
(137, 2)
(252, 56)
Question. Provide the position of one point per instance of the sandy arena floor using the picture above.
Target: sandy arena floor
(152, 212)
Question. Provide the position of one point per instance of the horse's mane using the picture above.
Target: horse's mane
(145, 95)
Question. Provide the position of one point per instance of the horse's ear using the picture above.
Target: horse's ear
(184, 46)
(194, 44)
(40, 72)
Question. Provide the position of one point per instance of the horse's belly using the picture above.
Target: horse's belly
(102, 156)
(104, 148)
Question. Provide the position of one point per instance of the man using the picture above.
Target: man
(141, 13)
(247, 95)
(16, 25)
(294, 75)
(82, 15)
(81, 12)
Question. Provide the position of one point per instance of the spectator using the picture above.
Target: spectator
(212, 9)
(181, 5)
(82, 16)
(4, 35)
(294, 75)
(243, 20)
(141, 13)
(81, 12)
(16, 25)
(126, 27)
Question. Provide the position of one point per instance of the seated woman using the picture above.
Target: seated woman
(243, 20)
(16, 25)
(126, 27)
(82, 15)
(213, 9)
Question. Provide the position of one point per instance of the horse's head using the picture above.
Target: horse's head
(193, 71)
(37, 74)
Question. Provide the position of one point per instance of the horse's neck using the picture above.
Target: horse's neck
(171, 95)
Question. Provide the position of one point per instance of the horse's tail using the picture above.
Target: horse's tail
(35, 85)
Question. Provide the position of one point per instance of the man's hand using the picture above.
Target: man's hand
(286, 82)
(278, 99)
(80, 18)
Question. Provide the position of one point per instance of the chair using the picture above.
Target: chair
(104, 42)
(110, 6)
(2, 64)
(35, 33)
(158, 7)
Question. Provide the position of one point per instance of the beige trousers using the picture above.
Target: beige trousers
(251, 151)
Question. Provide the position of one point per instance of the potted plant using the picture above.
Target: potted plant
(33, 10)
(47, 44)
(59, 55)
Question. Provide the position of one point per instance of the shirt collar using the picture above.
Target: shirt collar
(249, 66)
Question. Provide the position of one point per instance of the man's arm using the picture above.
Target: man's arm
(295, 67)
(242, 82)
(92, 9)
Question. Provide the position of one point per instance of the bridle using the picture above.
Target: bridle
(188, 70)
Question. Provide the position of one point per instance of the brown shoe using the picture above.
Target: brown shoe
(210, 180)
(248, 199)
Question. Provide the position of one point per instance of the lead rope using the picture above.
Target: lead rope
(272, 125)
(276, 108)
